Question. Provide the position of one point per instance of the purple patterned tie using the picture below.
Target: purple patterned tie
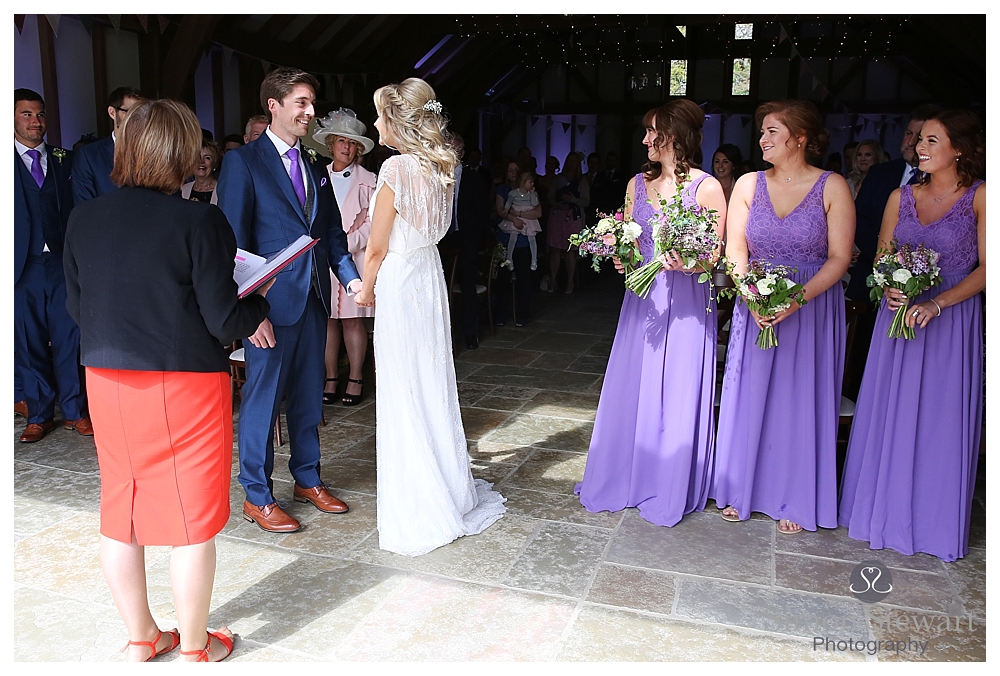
(296, 173)
(36, 166)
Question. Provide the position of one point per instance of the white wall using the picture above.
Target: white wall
(27, 58)
(75, 75)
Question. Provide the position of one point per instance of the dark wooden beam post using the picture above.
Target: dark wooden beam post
(218, 96)
(185, 52)
(101, 92)
(47, 48)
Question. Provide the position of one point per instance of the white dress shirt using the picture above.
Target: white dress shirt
(907, 175)
(287, 163)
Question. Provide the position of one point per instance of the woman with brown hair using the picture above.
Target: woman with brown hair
(652, 441)
(149, 281)
(914, 447)
(202, 188)
(776, 443)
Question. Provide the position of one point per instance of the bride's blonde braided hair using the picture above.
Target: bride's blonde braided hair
(409, 111)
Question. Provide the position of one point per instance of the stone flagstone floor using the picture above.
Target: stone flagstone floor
(549, 581)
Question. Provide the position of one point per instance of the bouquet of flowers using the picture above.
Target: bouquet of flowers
(498, 255)
(766, 289)
(614, 235)
(910, 269)
(690, 231)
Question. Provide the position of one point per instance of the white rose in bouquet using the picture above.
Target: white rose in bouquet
(902, 276)
(765, 286)
(631, 231)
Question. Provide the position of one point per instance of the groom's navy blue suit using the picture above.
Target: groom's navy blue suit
(256, 194)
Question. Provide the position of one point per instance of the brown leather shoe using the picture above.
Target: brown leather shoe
(36, 432)
(21, 408)
(321, 498)
(271, 518)
(83, 426)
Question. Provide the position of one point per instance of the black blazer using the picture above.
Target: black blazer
(149, 280)
(881, 180)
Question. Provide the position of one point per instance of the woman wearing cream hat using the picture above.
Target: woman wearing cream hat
(344, 136)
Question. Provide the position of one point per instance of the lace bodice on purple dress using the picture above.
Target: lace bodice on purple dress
(799, 237)
(644, 212)
(954, 235)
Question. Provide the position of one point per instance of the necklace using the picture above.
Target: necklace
(938, 199)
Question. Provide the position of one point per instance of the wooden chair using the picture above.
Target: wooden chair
(484, 291)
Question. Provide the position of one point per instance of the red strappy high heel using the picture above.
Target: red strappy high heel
(175, 641)
(203, 653)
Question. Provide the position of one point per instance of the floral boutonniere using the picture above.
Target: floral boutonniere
(59, 154)
(312, 155)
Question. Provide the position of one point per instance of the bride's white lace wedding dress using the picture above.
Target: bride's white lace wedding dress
(426, 494)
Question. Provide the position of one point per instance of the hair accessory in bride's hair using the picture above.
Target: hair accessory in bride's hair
(433, 106)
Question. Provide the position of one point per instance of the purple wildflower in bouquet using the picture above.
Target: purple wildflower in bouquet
(612, 235)
(910, 269)
(688, 231)
(766, 289)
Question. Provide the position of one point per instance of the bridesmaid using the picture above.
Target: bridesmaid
(652, 441)
(912, 456)
(777, 436)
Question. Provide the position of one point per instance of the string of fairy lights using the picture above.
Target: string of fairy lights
(630, 39)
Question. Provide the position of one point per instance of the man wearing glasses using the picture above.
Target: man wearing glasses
(93, 163)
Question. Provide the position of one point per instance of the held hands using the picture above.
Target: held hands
(264, 336)
(365, 298)
(355, 286)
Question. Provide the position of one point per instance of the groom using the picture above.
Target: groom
(272, 192)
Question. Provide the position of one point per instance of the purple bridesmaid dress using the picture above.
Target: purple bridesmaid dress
(776, 448)
(911, 459)
(652, 441)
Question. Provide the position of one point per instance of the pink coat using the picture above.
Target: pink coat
(358, 226)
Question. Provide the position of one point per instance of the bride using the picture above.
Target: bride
(426, 494)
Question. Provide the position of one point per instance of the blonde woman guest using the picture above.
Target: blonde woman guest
(868, 153)
(426, 494)
(202, 188)
(343, 134)
(157, 374)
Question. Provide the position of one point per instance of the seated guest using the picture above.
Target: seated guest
(152, 329)
(255, 127)
(93, 164)
(46, 339)
(202, 188)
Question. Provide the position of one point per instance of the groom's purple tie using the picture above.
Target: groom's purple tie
(36, 166)
(296, 174)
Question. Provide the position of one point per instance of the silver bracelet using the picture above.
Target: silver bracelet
(937, 306)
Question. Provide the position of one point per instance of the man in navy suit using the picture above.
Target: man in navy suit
(93, 163)
(42, 202)
(870, 203)
(273, 191)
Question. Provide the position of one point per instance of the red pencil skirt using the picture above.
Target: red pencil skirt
(165, 448)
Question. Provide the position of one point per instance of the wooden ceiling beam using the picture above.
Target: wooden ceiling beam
(186, 50)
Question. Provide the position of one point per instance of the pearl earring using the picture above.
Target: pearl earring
(799, 146)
